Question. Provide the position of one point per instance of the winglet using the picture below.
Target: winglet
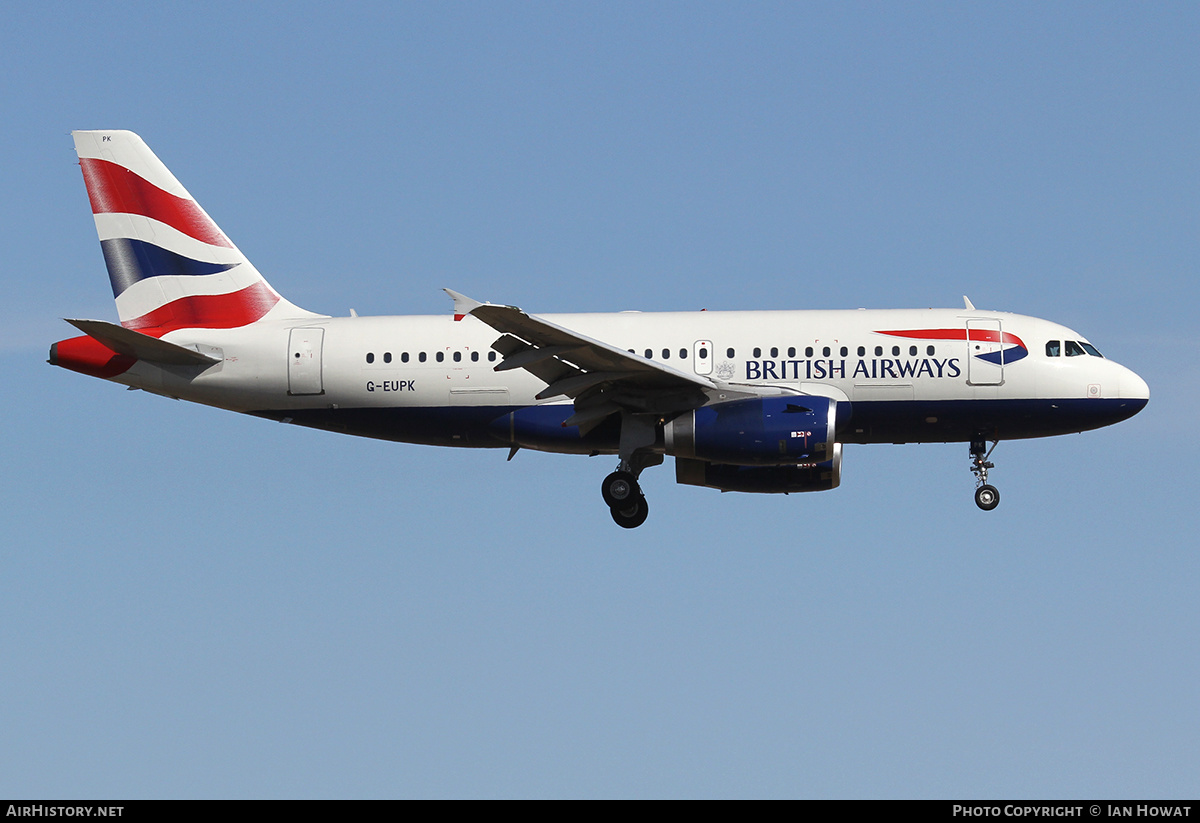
(463, 305)
(967, 304)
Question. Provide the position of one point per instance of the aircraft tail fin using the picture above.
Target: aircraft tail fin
(170, 265)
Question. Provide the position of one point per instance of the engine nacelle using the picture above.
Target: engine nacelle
(759, 431)
(804, 477)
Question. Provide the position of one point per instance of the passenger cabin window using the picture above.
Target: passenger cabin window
(774, 351)
(912, 351)
(370, 357)
(808, 351)
(491, 357)
(666, 354)
(879, 351)
(895, 351)
(757, 352)
(1053, 349)
(729, 353)
(474, 357)
(649, 354)
(862, 350)
(791, 351)
(421, 357)
(683, 354)
(703, 353)
(929, 350)
(825, 352)
(387, 357)
(843, 351)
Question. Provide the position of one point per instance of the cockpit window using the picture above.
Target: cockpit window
(1090, 349)
(1074, 349)
(1053, 348)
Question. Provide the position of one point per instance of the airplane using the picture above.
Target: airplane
(744, 401)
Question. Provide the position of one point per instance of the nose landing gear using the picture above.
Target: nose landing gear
(987, 497)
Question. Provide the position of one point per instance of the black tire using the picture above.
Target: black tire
(633, 515)
(987, 497)
(619, 488)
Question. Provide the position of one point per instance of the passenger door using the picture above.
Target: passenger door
(985, 353)
(304, 361)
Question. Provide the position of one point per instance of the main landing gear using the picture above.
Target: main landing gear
(987, 497)
(625, 500)
(621, 491)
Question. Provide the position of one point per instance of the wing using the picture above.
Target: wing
(602, 379)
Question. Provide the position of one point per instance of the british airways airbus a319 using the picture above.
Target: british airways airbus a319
(744, 401)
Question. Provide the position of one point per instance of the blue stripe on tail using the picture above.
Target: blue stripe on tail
(131, 260)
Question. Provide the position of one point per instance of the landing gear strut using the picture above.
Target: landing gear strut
(987, 497)
(621, 491)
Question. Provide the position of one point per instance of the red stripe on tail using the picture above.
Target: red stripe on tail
(208, 311)
(115, 189)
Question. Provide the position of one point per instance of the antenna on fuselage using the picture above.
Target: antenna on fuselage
(967, 304)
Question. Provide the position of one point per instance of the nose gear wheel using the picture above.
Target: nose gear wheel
(987, 497)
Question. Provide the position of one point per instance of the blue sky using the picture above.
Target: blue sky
(197, 604)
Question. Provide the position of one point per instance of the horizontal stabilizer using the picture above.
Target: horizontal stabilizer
(141, 346)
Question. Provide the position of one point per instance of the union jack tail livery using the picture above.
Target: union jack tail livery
(170, 266)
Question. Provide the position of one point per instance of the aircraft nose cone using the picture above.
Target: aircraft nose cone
(1134, 387)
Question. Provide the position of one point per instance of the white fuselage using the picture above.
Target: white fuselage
(436, 365)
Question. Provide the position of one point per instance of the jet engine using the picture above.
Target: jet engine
(758, 431)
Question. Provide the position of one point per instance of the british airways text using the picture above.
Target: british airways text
(874, 369)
